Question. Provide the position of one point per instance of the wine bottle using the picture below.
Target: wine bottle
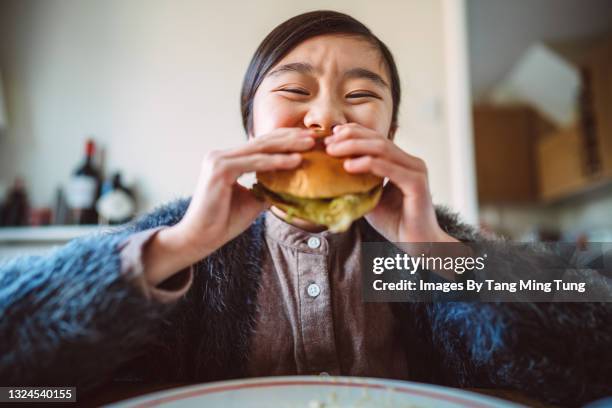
(14, 212)
(83, 189)
(116, 204)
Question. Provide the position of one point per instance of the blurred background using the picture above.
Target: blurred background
(107, 107)
(541, 81)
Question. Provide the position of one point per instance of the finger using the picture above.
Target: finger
(378, 147)
(280, 132)
(407, 180)
(230, 168)
(350, 130)
(277, 141)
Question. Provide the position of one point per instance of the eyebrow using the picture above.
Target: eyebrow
(353, 73)
(362, 73)
(299, 67)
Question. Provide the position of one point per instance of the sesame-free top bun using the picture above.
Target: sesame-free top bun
(318, 176)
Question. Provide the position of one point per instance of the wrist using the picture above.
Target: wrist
(169, 252)
(184, 244)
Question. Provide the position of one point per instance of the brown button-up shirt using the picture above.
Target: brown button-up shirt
(311, 318)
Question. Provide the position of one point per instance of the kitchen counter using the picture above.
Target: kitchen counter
(16, 241)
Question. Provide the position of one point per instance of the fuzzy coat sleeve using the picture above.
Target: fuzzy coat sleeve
(557, 352)
(70, 317)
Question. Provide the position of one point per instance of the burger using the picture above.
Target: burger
(320, 190)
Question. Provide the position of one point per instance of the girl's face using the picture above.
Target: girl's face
(325, 81)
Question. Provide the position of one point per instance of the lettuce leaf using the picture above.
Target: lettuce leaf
(336, 213)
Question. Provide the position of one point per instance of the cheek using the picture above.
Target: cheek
(271, 112)
(371, 116)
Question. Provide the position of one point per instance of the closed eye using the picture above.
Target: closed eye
(362, 95)
(295, 91)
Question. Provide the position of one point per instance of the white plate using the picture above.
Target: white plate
(315, 392)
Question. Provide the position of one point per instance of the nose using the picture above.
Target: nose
(324, 112)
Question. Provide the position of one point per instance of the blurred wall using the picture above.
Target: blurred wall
(501, 30)
(156, 82)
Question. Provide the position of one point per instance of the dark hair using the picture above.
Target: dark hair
(296, 30)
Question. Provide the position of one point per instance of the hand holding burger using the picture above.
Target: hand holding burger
(220, 208)
(405, 212)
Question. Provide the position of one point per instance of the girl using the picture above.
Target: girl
(220, 286)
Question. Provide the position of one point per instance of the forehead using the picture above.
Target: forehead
(331, 54)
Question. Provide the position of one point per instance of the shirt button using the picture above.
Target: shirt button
(313, 290)
(314, 242)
